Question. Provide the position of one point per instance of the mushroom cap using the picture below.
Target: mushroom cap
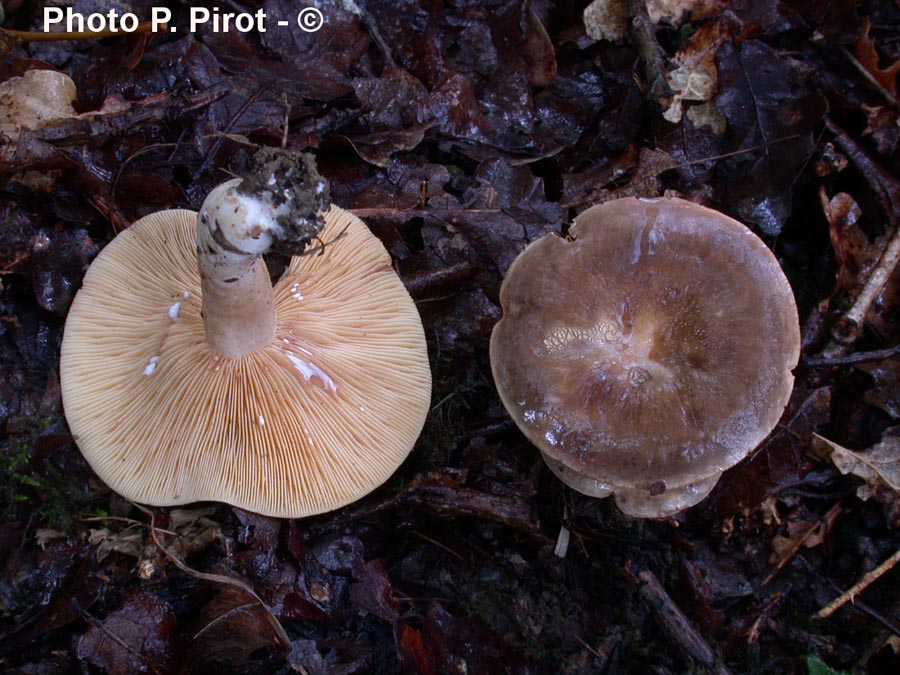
(649, 352)
(314, 420)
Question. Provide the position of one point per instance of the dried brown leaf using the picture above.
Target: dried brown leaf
(854, 252)
(883, 126)
(538, 51)
(868, 57)
(233, 626)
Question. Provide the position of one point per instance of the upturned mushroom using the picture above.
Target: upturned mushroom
(187, 376)
(648, 352)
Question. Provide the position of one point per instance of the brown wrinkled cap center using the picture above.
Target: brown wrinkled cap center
(656, 345)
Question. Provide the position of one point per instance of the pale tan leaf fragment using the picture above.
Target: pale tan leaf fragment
(608, 19)
(879, 465)
(694, 76)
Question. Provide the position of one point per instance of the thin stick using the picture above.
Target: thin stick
(216, 578)
(119, 519)
(285, 129)
(858, 587)
(676, 624)
(649, 50)
(35, 36)
(890, 98)
(821, 527)
(859, 357)
(851, 323)
(99, 625)
(849, 327)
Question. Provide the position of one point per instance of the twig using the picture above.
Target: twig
(770, 608)
(35, 36)
(858, 357)
(820, 528)
(99, 625)
(441, 546)
(857, 605)
(849, 327)
(858, 587)
(285, 129)
(676, 624)
(649, 50)
(217, 578)
(119, 519)
(888, 96)
(886, 189)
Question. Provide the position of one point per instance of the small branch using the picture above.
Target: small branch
(849, 327)
(859, 606)
(887, 189)
(99, 625)
(859, 357)
(888, 96)
(217, 579)
(676, 624)
(858, 587)
(818, 529)
(649, 50)
(35, 36)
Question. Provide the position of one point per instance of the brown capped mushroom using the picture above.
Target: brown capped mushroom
(648, 353)
(183, 384)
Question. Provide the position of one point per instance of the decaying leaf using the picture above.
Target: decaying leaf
(886, 392)
(771, 114)
(868, 56)
(232, 628)
(877, 466)
(797, 534)
(695, 78)
(883, 127)
(136, 638)
(608, 19)
(854, 252)
(33, 100)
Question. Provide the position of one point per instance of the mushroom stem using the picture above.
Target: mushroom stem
(278, 205)
(233, 231)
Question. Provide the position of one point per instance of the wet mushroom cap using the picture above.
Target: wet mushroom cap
(648, 353)
(308, 423)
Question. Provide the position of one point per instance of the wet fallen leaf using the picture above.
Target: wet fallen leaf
(886, 392)
(771, 115)
(373, 592)
(836, 20)
(136, 638)
(233, 629)
(883, 127)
